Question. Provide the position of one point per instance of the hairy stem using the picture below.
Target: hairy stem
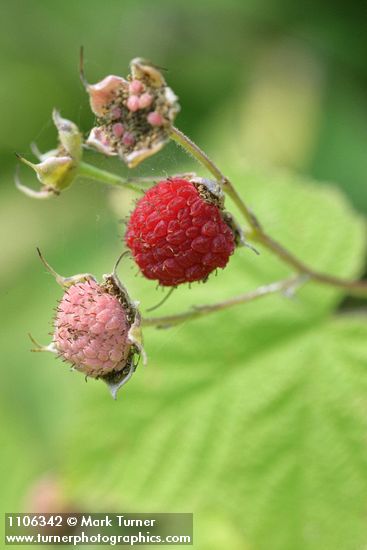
(203, 158)
(288, 286)
(357, 288)
(257, 233)
(195, 151)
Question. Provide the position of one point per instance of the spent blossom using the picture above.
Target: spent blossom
(134, 115)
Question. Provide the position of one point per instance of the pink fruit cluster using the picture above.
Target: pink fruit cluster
(91, 329)
(138, 99)
(134, 115)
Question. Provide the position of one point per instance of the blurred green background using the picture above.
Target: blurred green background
(253, 419)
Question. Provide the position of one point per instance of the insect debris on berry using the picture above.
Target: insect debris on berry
(180, 233)
(97, 328)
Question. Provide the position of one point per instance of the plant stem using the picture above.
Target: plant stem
(357, 288)
(288, 286)
(196, 152)
(258, 234)
(203, 158)
(89, 171)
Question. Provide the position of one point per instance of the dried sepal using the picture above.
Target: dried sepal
(135, 336)
(69, 135)
(44, 193)
(64, 282)
(98, 139)
(141, 69)
(212, 192)
(103, 92)
(116, 380)
(40, 347)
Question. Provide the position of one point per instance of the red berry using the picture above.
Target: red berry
(177, 233)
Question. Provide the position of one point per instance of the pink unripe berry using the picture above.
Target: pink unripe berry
(118, 129)
(128, 139)
(116, 113)
(145, 101)
(136, 87)
(133, 103)
(91, 329)
(155, 119)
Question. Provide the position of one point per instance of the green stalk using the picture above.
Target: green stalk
(89, 171)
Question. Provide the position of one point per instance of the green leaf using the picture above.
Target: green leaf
(252, 418)
(254, 415)
(262, 421)
(313, 221)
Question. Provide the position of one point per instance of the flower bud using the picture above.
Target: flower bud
(69, 135)
(58, 168)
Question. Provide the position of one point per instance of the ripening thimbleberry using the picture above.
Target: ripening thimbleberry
(97, 328)
(91, 329)
(179, 233)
